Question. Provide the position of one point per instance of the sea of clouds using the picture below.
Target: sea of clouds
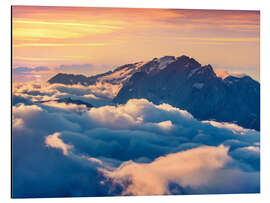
(138, 148)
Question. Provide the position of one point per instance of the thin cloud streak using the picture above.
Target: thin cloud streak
(251, 39)
(66, 24)
(61, 45)
(51, 59)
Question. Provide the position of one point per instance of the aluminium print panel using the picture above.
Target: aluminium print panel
(134, 101)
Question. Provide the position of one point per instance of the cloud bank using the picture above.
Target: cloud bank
(138, 148)
(190, 171)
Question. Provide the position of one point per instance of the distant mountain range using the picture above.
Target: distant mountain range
(184, 83)
(69, 100)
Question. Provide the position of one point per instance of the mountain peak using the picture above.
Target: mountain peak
(187, 62)
(209, 71)
(167, 58)
(177, 81)
(185, 84)
(183, 57)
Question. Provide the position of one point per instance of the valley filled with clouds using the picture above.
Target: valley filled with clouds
(67, 149)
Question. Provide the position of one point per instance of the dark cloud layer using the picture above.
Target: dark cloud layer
(64, 150)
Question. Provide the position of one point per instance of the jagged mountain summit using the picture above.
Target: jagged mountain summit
(118, 76)
(184, 83)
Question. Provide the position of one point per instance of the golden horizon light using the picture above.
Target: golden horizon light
(108, 37)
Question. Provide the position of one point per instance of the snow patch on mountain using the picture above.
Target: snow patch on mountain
(192, 72)
(164, 61)
(123, 73)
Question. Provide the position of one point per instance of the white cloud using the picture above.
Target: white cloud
(17, 123)
(104, 89)
(192, 168)
(137, 112)
(166, 125)
(67, 107)
(55, 142)
(26, 111)
(157, 145)
(232, 127)
(98, 95)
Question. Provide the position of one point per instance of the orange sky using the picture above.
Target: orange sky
(107, 37)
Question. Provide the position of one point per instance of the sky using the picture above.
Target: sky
(86, 40)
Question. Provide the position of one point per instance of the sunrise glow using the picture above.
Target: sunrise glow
(108, 37)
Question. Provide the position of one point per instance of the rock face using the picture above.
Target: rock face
(184, 83)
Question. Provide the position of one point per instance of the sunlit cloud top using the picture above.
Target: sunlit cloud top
(54, 36)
